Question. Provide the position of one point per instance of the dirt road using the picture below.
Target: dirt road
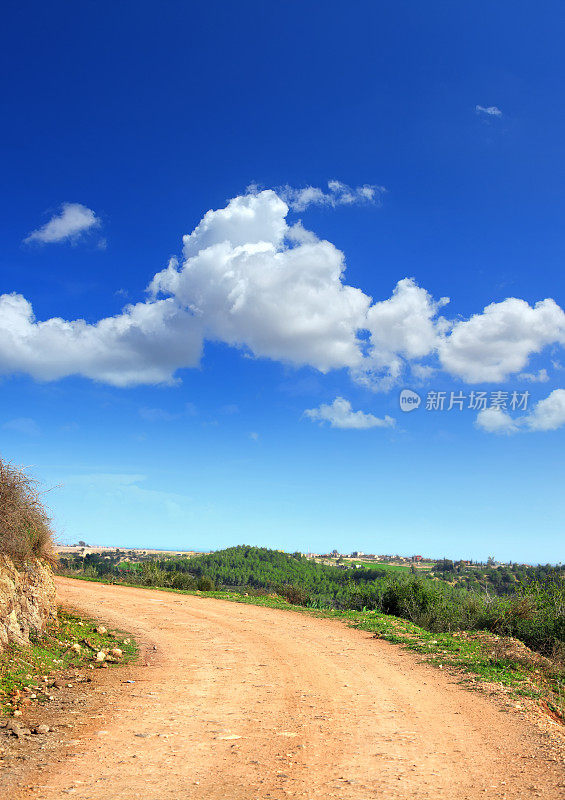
(239, 702)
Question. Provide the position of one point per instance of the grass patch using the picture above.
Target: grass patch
(27, 673)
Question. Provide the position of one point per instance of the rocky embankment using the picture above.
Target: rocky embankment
(27, 599)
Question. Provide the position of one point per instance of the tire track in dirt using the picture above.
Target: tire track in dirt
(240, 702)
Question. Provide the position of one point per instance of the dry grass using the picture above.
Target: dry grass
(25, 526)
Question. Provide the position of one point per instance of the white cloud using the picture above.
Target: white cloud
(547, 415)
(73, 221)
(251, 280)
(497, 343)
(404, 327)
(341, 415)
(494, 420)
(338, 194)
(422, 371)
(25, 425)
(249, 288)
(405, 323)
(491, 111)
(146, 343)
(540, 376)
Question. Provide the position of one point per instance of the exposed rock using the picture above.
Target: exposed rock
(41, 729)
(15, 728)
(27, 600)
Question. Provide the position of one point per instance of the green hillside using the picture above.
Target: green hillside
(533, 611)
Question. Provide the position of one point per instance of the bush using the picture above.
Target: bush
(183, 580)
(25, 526)
(294, 594)
(532, 610)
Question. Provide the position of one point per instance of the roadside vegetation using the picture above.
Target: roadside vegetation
(33, 674)
(480, 658)
(25, 526)
(502, 579)
(534, 612)
(30, 674)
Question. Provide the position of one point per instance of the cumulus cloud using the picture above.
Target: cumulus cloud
(406, 326)
(248, 288)
(340, 414)
(251, 279)
(490, 111)
(495, 420)
(146, 343)
(338, 194)
(73, 221)
(497, 343)
(547, 415)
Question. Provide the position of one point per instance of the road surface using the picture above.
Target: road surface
(239, 702)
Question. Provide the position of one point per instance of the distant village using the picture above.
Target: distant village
(369, 557)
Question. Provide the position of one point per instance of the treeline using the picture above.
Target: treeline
(500, 580)
(534, 612)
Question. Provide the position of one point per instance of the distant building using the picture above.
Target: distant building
(357, 553)
(417, 558)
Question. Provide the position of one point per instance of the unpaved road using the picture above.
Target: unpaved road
(239, 702)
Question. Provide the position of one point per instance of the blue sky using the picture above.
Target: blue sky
(338, 171)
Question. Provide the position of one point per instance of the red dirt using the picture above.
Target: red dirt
(239, 702)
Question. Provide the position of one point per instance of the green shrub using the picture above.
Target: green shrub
(205, 584)
(183, 580)
(531, 610)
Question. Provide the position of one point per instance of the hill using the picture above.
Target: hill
(533, 612)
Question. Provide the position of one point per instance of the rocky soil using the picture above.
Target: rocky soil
(239, 702)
